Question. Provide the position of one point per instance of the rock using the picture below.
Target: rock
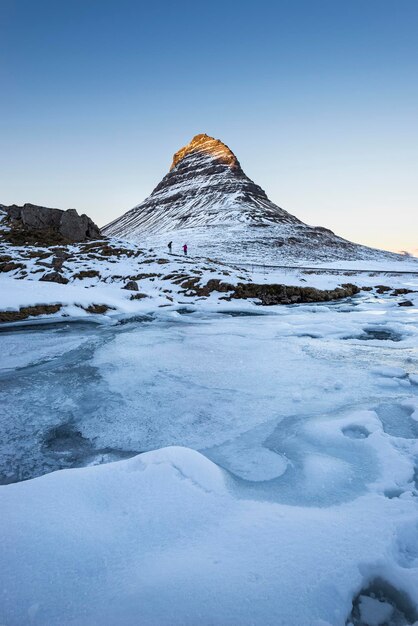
(401, 292)
(97, 309)
(213, 284)
(54, 277)
(131, 285)
(29, 311)
(87, 274)
(61, 253)
(406, 303)
(271, 294)
(35, 217)
(9, 267)
(138, 296)
(37, 254)
(76, 227)
(31, 223)
(57, 263)
(382, 288)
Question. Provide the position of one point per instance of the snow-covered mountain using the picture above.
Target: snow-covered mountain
(205, 186)
(208, 201)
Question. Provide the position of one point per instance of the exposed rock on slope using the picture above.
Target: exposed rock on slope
(207, 200)
(33, 224)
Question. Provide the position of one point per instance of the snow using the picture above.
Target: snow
(162, 536)
(390, 372)
(191, 460)
(374, 612)
(256, 248)
(279, 481)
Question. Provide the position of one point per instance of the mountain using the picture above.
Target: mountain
(204, 187)
(208, 201)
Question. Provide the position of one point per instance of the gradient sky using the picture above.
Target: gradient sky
(317, 98)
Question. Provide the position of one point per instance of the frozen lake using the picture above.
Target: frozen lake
(246, 390)
(309, 408)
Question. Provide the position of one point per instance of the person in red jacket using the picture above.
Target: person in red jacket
(185, 249)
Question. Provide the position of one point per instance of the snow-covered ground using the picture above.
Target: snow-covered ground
(274, 244)
(274, 469)
(94, 279)
(171, 457)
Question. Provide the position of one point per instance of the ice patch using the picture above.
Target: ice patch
(389, 372)
(355, 431)
(250, 462)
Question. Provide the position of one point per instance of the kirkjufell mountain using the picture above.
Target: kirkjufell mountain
(204, 187)
(207, 201)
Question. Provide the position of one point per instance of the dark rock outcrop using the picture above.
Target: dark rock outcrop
(98, 309)
(37, 224)
(10, 266)
(406, 303)
(402, 291)
(87, 274)
(29, 311)
(131, 285)
(270, 294)
(382, 288)
(283, 294)
(57, 263)
(54, 277)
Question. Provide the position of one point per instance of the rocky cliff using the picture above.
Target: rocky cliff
(32, 223)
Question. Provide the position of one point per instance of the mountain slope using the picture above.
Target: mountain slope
(208, 201)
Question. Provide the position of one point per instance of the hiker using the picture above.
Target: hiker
(169, 246)
(185, 249)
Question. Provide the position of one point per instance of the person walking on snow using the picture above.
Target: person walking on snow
(169, 246)
(185, 249)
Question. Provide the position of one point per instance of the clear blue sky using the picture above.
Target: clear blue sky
(317, 98)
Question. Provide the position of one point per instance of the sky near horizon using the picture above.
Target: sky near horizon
(318, 99)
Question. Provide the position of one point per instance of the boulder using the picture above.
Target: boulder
(54, 277)
(131, 285)
(97, 309)
(57, 263)
(31, 222)
(406, 303)
(11, 266)
(401, 292)
(382, 288)
(76, 227)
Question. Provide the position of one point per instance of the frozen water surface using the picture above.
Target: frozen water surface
(305, 447)
(240, 388)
